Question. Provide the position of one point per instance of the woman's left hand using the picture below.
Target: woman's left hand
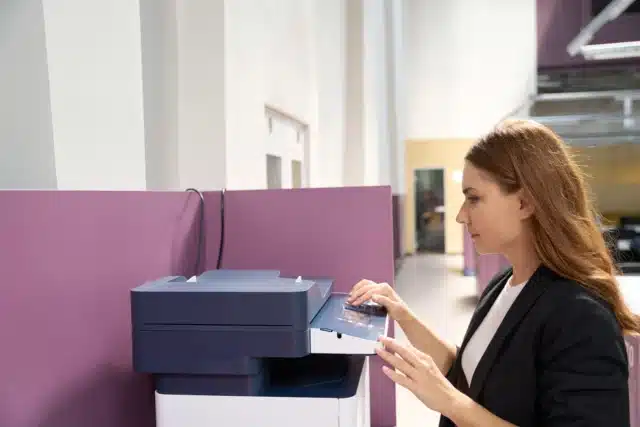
(418, 373)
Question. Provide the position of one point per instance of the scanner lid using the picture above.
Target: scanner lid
(236, 301)
(226, 274)
(238, 284)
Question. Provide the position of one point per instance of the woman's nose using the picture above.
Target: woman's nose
(460, 217)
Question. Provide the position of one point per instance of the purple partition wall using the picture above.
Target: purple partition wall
(71, 258)
(469, 254)
(68, 262)
(488, 266)
(344, 233)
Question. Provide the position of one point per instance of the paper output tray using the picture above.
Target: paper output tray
(337, 330)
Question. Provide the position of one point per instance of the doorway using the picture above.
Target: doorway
(430, 210)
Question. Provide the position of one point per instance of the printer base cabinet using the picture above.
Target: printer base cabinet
(292, 409)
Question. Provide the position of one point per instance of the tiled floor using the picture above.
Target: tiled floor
(435, 289)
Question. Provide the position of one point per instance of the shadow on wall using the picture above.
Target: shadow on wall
(398, 206)
(184, 244)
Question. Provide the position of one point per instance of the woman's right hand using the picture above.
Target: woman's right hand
(382, 294)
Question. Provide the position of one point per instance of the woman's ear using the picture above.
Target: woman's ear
(526, 207)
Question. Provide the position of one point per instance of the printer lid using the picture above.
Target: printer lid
(236, 284)
(337, 330)
(226, 274)
(235, 301)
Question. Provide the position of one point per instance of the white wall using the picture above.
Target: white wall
(469, 64)
(290, 55)
(210, 68)
(95, 77)
(26, 138)
(169, 94)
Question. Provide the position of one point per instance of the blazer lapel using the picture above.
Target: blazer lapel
(483, 308)
(523, 303)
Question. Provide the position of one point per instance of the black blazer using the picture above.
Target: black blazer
(557, 359)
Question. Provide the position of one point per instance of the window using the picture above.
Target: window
(287, 148)
(296, 174)
(274, 172)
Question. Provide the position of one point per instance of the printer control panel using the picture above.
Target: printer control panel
(341, 328)
(369, 307)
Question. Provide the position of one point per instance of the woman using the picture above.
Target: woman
(545, 345)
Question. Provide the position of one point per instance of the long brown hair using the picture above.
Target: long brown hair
(524, 155)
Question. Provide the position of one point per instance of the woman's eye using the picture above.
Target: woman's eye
(473, 199)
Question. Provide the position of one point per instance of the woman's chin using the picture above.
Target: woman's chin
(484, 250)
(481, 251)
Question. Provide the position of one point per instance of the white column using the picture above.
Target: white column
(183, 69)
(160, 87)
(376, 136)
(314, 150)
(26, 135)
(366, 153)
(328, 91)
(368, 141)
(354, 160)
(246, 124)
(201, 94)
(95, 78)
(396, 93)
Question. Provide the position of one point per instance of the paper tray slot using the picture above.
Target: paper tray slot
(337, 330)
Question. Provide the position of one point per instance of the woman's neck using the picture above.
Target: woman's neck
(524, 262)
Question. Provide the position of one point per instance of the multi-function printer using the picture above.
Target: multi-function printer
(249, 348)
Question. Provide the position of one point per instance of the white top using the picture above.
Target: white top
(484, 334)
